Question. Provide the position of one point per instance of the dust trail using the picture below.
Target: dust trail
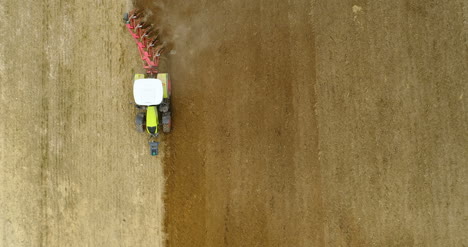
(184, 37)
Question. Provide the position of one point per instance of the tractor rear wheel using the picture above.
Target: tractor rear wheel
(164, 106)
(125, 18)
(166, 122)
(167, 128)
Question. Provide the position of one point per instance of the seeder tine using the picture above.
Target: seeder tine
(160, 49)
(144, 25)
(137, 13)
(153, 36)
(148, 32)
(140, 25)
(154, 41)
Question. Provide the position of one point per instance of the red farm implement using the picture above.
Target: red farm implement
(147, 40)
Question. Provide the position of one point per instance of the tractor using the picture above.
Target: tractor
(151, 90)
(152, 96)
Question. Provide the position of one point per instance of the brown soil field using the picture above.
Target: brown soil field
(73, 172)
(316, 123)
(296, 123)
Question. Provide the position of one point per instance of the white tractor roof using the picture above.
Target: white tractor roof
(148, 92)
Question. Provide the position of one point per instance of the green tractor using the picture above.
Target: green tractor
(153, 99)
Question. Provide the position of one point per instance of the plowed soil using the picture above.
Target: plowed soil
(316, 123)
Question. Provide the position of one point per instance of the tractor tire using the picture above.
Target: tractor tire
(164, 107)
(166, 122)
(167, 128)
(140, 122)
(125, 18)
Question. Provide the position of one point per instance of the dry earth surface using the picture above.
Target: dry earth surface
(73, 172)
(317, 123)
(297, 123)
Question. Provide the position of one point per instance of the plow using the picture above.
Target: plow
(151, 89)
